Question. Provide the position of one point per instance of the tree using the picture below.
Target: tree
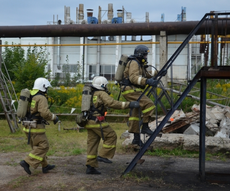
(12, 56)
(66, 72)
(32, 67)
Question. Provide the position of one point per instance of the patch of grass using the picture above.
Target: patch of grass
(16, 183)
(12, 162)
(136, 177)
(73, 142)
(77, 151)
(62, 143)
(174, 152)
(184, 153)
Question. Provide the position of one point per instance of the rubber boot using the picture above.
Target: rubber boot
(145, 129)
(26, 166)
(105, 160)
(91, 170)
(137, 140)
(47, 168)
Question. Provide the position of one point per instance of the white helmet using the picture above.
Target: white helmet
(41, 84)
(99, 82)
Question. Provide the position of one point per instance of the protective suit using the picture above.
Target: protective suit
(98, 128)
(135, 79)
(36, 135)
(137, 76)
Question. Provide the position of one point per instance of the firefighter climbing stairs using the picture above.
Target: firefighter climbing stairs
(213, 71)
(7, 90)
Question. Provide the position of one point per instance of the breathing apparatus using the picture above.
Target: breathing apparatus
(141, 53)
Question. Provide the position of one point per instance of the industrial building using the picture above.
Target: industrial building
(99, 55)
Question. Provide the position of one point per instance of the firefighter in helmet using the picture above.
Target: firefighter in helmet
(135, 79)
(39, 113)
(98, 128)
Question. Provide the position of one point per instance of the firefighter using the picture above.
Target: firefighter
(98, 128)
(135, 79)
(39, 113)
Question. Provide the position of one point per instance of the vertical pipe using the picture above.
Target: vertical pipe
(81, 56)
(117, 52)
(202, 128)
(77, 15)
(98, 56)
(86, 66)
(99, 15)
(123, 14)
(214, 42)
(202, 60)
(52, 59)
(81, 13)
(188, 63)
(219, 62)
(110, 12)
(163, 53)
(83, 61)
(58, 53)
(65, 20)
(153, 61)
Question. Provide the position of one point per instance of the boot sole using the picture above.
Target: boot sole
(99, 160)
(25, 168)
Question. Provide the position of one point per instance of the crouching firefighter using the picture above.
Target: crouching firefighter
(135, 78)
(34, 127)
(98, 128)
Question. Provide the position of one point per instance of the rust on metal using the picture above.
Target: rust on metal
(218, 72)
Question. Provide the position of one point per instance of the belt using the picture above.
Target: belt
(92, 118)
(97, 118)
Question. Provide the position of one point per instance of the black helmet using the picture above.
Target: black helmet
(141, 52)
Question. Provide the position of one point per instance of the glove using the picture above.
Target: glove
(151, 82)
(56, 120)
(164, 72)
(134, 104)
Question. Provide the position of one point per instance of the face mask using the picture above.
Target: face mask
(144, 59)
(106, 90)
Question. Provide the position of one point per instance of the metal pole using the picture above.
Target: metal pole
(202, 128)
(0, 55)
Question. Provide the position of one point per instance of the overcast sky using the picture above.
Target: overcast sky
(39, 12)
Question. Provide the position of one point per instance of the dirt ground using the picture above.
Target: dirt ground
(156, 173)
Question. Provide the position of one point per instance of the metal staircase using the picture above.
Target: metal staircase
(212, 71)
(7, 90)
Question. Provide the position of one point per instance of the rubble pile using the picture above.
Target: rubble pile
(183, 130)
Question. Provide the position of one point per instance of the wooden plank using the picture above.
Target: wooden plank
(174, 126)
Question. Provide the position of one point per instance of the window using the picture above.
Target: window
(108, 71)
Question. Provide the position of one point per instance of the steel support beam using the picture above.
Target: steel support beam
(202, 128)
